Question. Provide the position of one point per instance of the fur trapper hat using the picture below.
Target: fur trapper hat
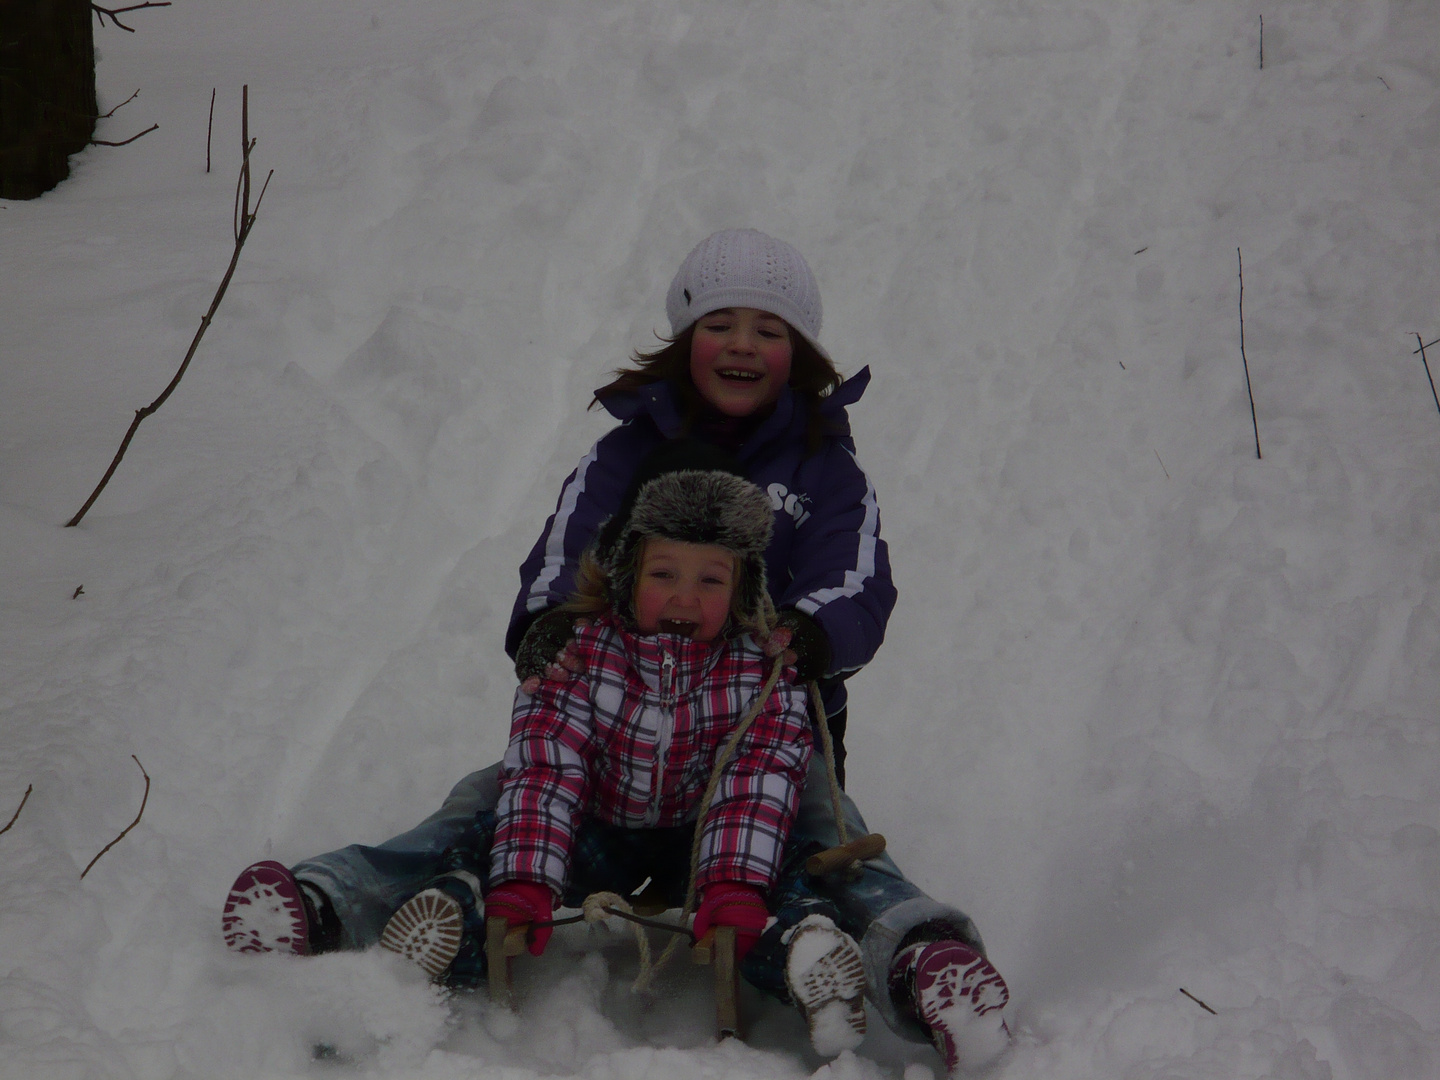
(692, 492)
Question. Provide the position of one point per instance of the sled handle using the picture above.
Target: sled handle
(835, 859)
(502, 943)
(717, 948)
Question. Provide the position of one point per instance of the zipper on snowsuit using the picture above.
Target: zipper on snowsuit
(663, 737)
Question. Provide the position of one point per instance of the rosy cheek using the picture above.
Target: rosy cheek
(702, 358)
(777, 363)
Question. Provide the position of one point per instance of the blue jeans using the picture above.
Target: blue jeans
(880, 909)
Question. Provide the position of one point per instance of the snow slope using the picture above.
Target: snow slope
(1158, 713)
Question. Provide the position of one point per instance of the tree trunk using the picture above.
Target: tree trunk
(47, 92)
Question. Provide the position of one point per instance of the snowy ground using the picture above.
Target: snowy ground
(1157, 713)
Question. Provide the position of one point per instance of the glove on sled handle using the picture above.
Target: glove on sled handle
(832, 860)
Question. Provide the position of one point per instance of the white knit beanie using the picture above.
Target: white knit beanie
(746, 268)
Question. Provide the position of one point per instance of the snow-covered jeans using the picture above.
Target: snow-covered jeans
(880, 908)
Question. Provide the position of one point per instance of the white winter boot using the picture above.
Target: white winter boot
(826, 977)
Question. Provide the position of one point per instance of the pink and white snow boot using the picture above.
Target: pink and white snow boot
(960, 997)
(826, 976)
(265, 912)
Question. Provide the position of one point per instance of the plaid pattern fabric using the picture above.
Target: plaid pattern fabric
(632, 742)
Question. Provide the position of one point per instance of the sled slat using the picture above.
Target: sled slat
(835, 859)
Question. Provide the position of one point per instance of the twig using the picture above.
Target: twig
(112, 112)
(209, 127)
(1243, 360)
(14, 817)
(101, 12)
(1197, 1001)
(1262, 42)
(143, 800)
(244, 218)
(1162, 464)
(124, 142)
(1425, 360)
(1383, 82)
(79, 591)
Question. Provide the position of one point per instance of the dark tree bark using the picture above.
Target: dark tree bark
(47, 92)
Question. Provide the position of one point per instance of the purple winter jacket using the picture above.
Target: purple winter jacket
(826, 560)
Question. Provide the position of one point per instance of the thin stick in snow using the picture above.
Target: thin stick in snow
(1243, 360)
(209, 127)
(16, 816)
(1425, 360)
(1197, 1001)
(124, 142)
(112, 112)
(244, 220)
(1262, 42)
(143, 800)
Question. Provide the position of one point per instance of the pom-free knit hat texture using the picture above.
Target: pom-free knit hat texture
(746, 268)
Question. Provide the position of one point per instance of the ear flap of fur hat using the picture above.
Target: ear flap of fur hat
(697, 506)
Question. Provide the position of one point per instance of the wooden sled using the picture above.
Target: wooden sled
(716, 949)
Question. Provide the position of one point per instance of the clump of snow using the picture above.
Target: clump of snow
(1157, 713)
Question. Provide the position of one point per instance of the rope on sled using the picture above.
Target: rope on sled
(595, 912)
(827, 743)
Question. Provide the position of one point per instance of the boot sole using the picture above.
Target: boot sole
(264, 912)
(426, 930)
(826, 977)
(960, 996)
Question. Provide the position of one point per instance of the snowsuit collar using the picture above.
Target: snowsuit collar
(658, 401)
(667, 663)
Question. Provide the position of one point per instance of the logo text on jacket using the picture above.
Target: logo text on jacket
(796, 505)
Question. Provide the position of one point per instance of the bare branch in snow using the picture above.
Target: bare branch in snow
(123, 142)
(101, 13)
(112, 112)
(1425, 360)
(1197, 1001)
(1243, 360)
(16, 816)
(143, 800)
(244, 218)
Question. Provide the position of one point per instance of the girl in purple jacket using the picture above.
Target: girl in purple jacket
(744, 370)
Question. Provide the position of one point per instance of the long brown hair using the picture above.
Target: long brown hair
(812, 376)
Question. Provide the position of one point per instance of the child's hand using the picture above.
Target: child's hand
(778, 644)
(547, 651)
(802, 643)
(729, 903)
(522, 903)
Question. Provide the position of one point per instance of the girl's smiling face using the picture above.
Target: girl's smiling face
(740, 359)
(683, 588)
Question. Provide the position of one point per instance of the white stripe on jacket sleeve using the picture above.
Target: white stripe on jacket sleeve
(538, 600)
(864, 569)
